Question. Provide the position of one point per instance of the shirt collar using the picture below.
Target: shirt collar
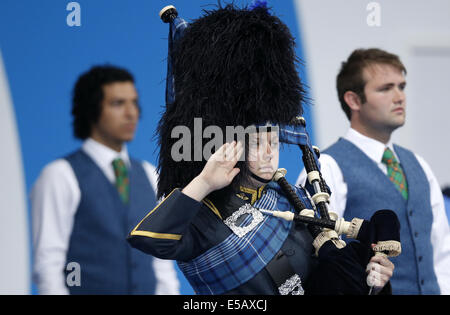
(103, 155)
(374, 149)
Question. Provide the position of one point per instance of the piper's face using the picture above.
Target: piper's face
(263, 155)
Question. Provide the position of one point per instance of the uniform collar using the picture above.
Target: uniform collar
(250, 195)
(226, 204)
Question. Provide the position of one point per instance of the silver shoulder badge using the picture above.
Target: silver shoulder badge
(240, 231)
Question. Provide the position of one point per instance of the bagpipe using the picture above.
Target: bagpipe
(341, 266)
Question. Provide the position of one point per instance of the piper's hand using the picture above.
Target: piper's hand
(218, 172)
(380, 270)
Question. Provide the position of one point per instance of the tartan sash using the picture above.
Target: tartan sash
(236, 260)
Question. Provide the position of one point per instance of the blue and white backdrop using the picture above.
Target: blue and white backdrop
(45, 45)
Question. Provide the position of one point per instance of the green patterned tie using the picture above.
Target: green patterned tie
(395, 172)
(122, 182)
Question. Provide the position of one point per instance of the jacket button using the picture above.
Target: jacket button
(289, 252)
(422, 282)
(416, 234)
(420, 258)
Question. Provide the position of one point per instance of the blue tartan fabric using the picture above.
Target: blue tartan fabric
(290, 134)
(294, 134)
(297, 134)
(236, 260)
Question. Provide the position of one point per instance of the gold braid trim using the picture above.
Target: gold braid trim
(393, 248)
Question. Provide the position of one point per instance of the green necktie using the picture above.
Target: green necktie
(395, 172)
(122, 182)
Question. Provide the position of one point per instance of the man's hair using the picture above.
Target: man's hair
(350, 77)
(88, 95)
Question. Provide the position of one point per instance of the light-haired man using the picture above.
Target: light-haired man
(367, 172)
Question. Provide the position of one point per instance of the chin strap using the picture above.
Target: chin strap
(262, 180)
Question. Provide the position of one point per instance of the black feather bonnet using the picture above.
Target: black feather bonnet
(231, 67)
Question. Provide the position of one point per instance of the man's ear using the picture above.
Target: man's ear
(353, 100)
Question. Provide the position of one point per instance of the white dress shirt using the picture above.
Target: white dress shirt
(54, 200)
(440, 231)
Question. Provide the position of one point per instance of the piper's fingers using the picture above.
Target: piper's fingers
(234, 152)
(376, 279)
(230, 151)
(239, 145)
(382, 260)
(239, 151)
(380, 269)
(372, 266)
(221, 150)
(219, 155)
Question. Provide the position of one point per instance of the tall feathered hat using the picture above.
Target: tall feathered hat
(230, 67)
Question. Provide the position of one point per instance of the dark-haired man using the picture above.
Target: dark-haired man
(367, 172)
(84, 205)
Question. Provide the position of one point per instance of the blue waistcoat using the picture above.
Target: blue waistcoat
(369, 190)
(108, 264)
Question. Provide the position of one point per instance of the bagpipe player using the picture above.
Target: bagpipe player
(237, 67)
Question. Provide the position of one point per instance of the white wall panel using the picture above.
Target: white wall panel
(14, 261)
(418, 31)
